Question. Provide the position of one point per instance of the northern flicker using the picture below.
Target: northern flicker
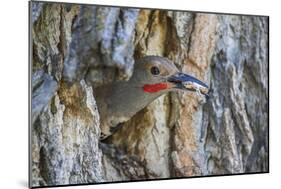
(152, 77)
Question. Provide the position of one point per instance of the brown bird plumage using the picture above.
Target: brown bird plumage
(152, 77)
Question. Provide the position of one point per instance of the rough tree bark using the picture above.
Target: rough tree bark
(77, 48)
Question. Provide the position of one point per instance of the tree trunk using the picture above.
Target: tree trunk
(78, 48)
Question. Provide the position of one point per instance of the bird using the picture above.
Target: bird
(152, 77)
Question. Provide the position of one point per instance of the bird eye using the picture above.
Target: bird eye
(154, 70)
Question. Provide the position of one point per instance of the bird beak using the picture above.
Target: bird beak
(186, 82)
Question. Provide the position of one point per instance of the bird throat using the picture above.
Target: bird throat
(153, 88)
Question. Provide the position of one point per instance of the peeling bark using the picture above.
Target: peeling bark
(79, 48)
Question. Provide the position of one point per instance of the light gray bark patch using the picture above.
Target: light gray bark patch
(101, 37)
(238, 114)
(36, 8)
(43, 89)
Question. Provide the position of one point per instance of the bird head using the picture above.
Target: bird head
(155, 74)
(152, 77)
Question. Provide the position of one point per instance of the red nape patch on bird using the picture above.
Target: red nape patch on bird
(153, 88)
